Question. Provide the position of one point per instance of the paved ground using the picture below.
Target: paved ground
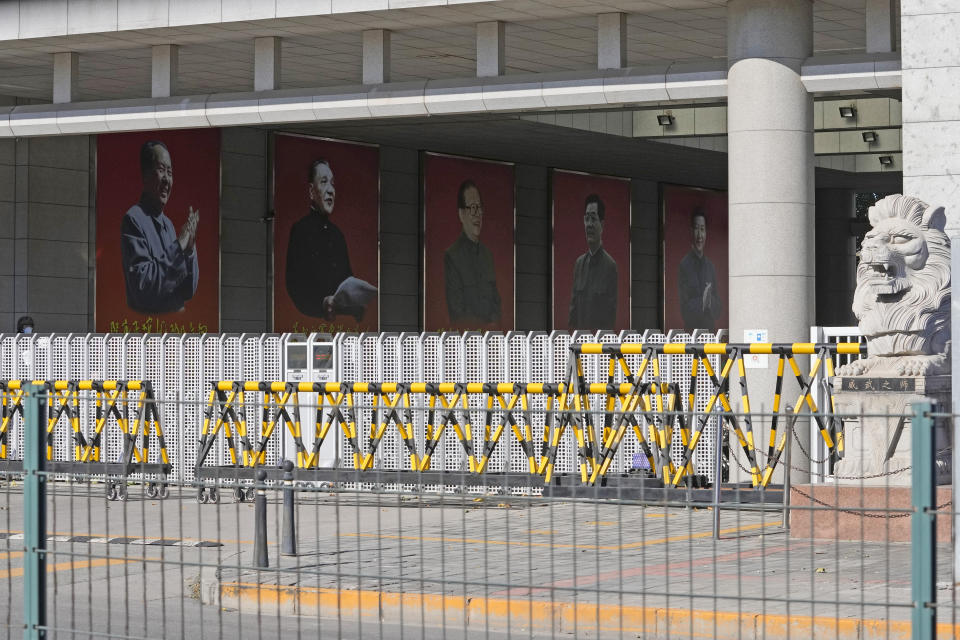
(463, 566)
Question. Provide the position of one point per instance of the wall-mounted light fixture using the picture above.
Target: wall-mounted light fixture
(886, 160)
(664, 120)
(869, 136)
(848, 112)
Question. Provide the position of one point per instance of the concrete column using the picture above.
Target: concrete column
(166, 60)
(771, 184)
(266, 64)
(611, 40)
(490, 49)
(836, 257)
(376, 56)
(880, 26)
(65, 73)
(930, 59)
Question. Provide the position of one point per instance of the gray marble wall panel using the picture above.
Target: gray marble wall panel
(45, 261)
(244, 255)
(645, 247)
(400, 244)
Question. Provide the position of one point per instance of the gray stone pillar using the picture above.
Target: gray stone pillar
(771, 184)
(930, 59)
(165, 70)
(836, 257)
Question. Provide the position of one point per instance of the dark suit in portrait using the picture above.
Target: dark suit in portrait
(593, 304)
(160, 276)
(471, 283)
(695, 273)
(317, 262)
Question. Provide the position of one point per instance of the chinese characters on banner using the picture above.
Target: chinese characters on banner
(695, 259)
(468, 244)
(326, 266)
(158, 222)
(591, 252)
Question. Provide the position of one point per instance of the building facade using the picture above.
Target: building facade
(781, 110)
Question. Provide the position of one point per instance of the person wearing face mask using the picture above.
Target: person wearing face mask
(319, 278)
(25, 324)
(160, 266)
(699, 296)
(469, 277)
(593, 302)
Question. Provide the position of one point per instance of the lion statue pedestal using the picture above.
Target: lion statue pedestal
(902, 302)
(876, 445)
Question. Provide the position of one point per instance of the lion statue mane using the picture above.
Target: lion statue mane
(902, 298)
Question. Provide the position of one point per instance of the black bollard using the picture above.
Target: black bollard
(260, 523)
(288, 543)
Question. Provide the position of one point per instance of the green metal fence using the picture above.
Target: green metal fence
(388, 554)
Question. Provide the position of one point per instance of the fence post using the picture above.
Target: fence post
(34, 514)
(260, 557)
(923, 524)
(288, 541)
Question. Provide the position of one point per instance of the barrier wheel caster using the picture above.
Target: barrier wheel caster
(111, 491)
(239, 495)
(202, 495)
(121, 491)
(251, 494)
(214, 495)
(163, 492)
(152, 490)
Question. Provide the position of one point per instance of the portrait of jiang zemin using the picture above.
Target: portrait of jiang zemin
(591, 252)
(695, 258)
(158, 217)
(326, 199)
(468, 259)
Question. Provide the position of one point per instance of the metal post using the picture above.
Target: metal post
(923, 524)
(787, 470)
(288, 542)
(260, 556)
(717, 477)
(34, 515)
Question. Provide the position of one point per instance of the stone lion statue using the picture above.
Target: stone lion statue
(902, 298)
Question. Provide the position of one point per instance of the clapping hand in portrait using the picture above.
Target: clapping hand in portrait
(188, 232)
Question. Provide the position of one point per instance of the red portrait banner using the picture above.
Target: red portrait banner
(591, 252)
(468, 244)
(695, 258)
(326, 227)
(158, 246)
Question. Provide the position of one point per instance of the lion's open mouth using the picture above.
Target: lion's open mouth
(885, 278)
(884, 270)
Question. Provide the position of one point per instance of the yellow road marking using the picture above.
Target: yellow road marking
(10, 554)
(72, 565)
(523, 543)
(504, 613)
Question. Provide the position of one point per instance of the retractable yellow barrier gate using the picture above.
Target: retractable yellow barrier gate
(225, 412)
(654, 411)
(112, 399)
(669, 402)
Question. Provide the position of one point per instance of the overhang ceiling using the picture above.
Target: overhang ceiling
(428, 43)
(510, 138)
